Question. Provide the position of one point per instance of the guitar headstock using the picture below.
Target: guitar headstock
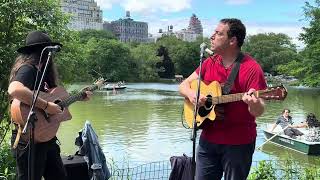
(99, 82)
(274, 93)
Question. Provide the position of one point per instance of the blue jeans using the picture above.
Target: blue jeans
(214, 159)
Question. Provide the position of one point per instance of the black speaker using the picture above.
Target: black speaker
(76, 167)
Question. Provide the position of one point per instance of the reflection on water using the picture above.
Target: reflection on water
(277, 152)
(143, 123)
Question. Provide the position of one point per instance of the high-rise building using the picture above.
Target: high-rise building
(187, 35)
(85, 14)
(128, 30)
(195, 25)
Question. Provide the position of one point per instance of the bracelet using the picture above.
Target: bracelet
(46, 106)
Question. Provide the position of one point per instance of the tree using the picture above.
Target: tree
(85, 35)
(307, 69)
(144, 57)
(110, 58)
(271, 50)
(184, 55)
(311, 33)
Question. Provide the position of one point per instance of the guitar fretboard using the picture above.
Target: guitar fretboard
(230, 97)
(67, 102)
(226, 98)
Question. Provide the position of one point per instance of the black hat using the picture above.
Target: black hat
(37, 39)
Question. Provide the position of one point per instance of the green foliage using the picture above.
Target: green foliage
(293, 68)
(86, 35)
(307, 68)
(289, 169)
(310, 173)
(271, 50)
(72, 61)
(7, 162)
(184, 55)
(144, 59)
(312, 14)
(264, 170)
(110, 58)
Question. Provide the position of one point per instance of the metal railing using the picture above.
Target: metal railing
(283, 169)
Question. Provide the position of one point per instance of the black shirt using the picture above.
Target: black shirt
(26, 74)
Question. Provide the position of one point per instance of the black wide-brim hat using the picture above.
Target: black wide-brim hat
(37, 39)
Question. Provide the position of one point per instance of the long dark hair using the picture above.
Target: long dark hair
(312, 121)
(33, 60)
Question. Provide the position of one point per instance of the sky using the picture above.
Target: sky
(259, 16)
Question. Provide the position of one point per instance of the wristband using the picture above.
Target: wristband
(46, 106)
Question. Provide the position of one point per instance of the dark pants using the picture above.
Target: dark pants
(214, 159)
(47, 161)
(292, 132)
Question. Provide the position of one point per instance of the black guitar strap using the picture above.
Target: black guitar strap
(232, 76)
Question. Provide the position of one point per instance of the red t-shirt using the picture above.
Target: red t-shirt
(238, 125)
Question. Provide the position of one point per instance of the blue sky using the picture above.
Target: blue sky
(259, 16)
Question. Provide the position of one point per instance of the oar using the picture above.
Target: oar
(273, 137)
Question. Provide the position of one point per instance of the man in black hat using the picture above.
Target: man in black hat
(30, 61)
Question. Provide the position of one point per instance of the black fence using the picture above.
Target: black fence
(283, 170)
(150, 171)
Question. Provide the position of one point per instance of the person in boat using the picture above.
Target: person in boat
(285, 121)
(312, 121)
(312, 124)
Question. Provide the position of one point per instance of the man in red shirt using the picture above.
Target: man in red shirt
(227, 145)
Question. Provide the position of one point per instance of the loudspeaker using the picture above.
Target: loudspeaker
(76, 167)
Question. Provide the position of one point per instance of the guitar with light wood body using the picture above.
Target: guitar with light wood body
(47, 125)
(214, 96)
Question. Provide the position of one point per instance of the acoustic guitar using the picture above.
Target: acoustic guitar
(47, 125)
(214, 97)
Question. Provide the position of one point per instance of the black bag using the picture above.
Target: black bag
(76, 167)
(181, 168)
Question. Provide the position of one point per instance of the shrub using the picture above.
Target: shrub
(7, 162)
(264, 170)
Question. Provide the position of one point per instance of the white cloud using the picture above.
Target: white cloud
(237, 2)
(107, 4)
(145, 6)
(291, 31)
(152, 9)
(208, 25)
(156, 24)
(154, 6)
(179, 23)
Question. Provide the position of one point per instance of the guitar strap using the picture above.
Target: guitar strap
(232, 76)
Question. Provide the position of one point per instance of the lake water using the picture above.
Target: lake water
(142, 123)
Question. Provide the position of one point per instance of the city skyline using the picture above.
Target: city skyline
(278, 16)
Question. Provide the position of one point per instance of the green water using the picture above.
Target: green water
(142, 123)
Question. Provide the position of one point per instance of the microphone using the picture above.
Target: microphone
(55, 48)
(209, 51)
(203, 46)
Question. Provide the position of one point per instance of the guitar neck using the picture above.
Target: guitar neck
(67, 102)
(230, 98)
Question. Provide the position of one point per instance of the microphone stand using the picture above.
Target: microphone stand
(32, 118)
(195, 112)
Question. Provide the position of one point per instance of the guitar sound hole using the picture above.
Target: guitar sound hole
(208, 103)
(206, 109)
(58, 102)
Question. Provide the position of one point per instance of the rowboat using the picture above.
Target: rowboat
(114, 86)
(300, 144)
